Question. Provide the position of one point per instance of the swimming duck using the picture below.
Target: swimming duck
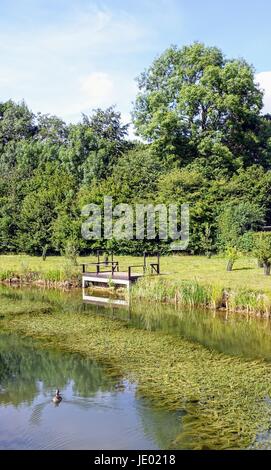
(57, 398)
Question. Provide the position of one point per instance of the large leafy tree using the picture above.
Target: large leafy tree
(16, 122)
(94, 145)
(50, 191)
(193, 102)
(51, 129)
(110, 142)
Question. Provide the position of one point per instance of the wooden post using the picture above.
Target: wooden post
(98, 256)
(158, 263)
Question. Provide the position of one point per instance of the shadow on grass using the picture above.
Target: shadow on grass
(243, 269)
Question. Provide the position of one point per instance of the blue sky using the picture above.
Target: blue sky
(68, 56)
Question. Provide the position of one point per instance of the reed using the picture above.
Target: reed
(5, 275)
(194, 294)
(53, 275)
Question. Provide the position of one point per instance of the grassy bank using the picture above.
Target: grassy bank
(210, 271)
(224, 397)
(194, 294)
(186, 280)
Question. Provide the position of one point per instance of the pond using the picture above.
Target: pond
(96, 410)
(101, 410)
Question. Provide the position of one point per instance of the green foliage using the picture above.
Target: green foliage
(6, 275)
(236, 220)
(262, 247)
(193, 102)
(206, 143)
(207, 240)
(53, 275)
(71, 251)
(232, 253)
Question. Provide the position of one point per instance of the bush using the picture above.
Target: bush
(262, 250)
(53, 275)
(5, 275)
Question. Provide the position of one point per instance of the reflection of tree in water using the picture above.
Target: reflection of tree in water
(23, 366)
(232, 334)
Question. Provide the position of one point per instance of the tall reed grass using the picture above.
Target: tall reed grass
(68, 272)
(194, 294)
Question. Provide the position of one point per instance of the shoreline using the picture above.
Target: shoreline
(182, 293)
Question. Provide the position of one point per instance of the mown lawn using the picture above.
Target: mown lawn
(246, 273)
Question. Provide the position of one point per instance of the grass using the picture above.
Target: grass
(205, 271)
(29, 268)
(193, 294)
(188, 280)
(223, 397)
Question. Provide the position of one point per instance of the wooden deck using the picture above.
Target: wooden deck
(104, 301)
(122, 276)
(107, 272)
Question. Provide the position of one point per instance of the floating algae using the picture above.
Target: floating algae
(223, 398)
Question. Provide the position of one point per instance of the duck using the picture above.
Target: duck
(57, 398)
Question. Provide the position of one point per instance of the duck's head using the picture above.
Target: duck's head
(57, 392)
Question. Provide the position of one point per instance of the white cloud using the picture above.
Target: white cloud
(72, 64)
(94, 30)
(98, 87)
(264, 80)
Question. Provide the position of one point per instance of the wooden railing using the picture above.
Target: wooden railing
(114, 266)
(143, 266)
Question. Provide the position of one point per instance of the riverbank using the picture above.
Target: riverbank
(224, 397)
(192, 294)
(186, 280)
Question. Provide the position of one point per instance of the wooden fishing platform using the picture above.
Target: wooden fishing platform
(108, 272)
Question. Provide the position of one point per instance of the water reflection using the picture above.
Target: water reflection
(97, 411)
(233, 334)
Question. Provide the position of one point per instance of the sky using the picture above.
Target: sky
(65, 57)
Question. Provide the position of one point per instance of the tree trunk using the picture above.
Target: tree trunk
(230, 265)
(44, 252)
(260, 263)
(266, 269)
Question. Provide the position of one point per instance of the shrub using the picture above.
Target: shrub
(5, 275)
(53, 275)
(262, 250)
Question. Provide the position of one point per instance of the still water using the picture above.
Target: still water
(96, 411)
(99, 411)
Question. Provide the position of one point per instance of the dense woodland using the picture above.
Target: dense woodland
(203, 140)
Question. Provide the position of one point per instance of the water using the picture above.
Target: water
(232, 334)
(96, 411)
(99, 411)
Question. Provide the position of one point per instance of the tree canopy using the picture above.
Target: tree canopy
(204, 140)
(193, 102)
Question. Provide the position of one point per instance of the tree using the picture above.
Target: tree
(193, 102)
(262, 250)
(189, 186)
(107, 125)
(16, 122)
(48, 195)
(110, 142)
(52, 129)
(81, 141)
(233, 224)
(207, 240)
(94, 145)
